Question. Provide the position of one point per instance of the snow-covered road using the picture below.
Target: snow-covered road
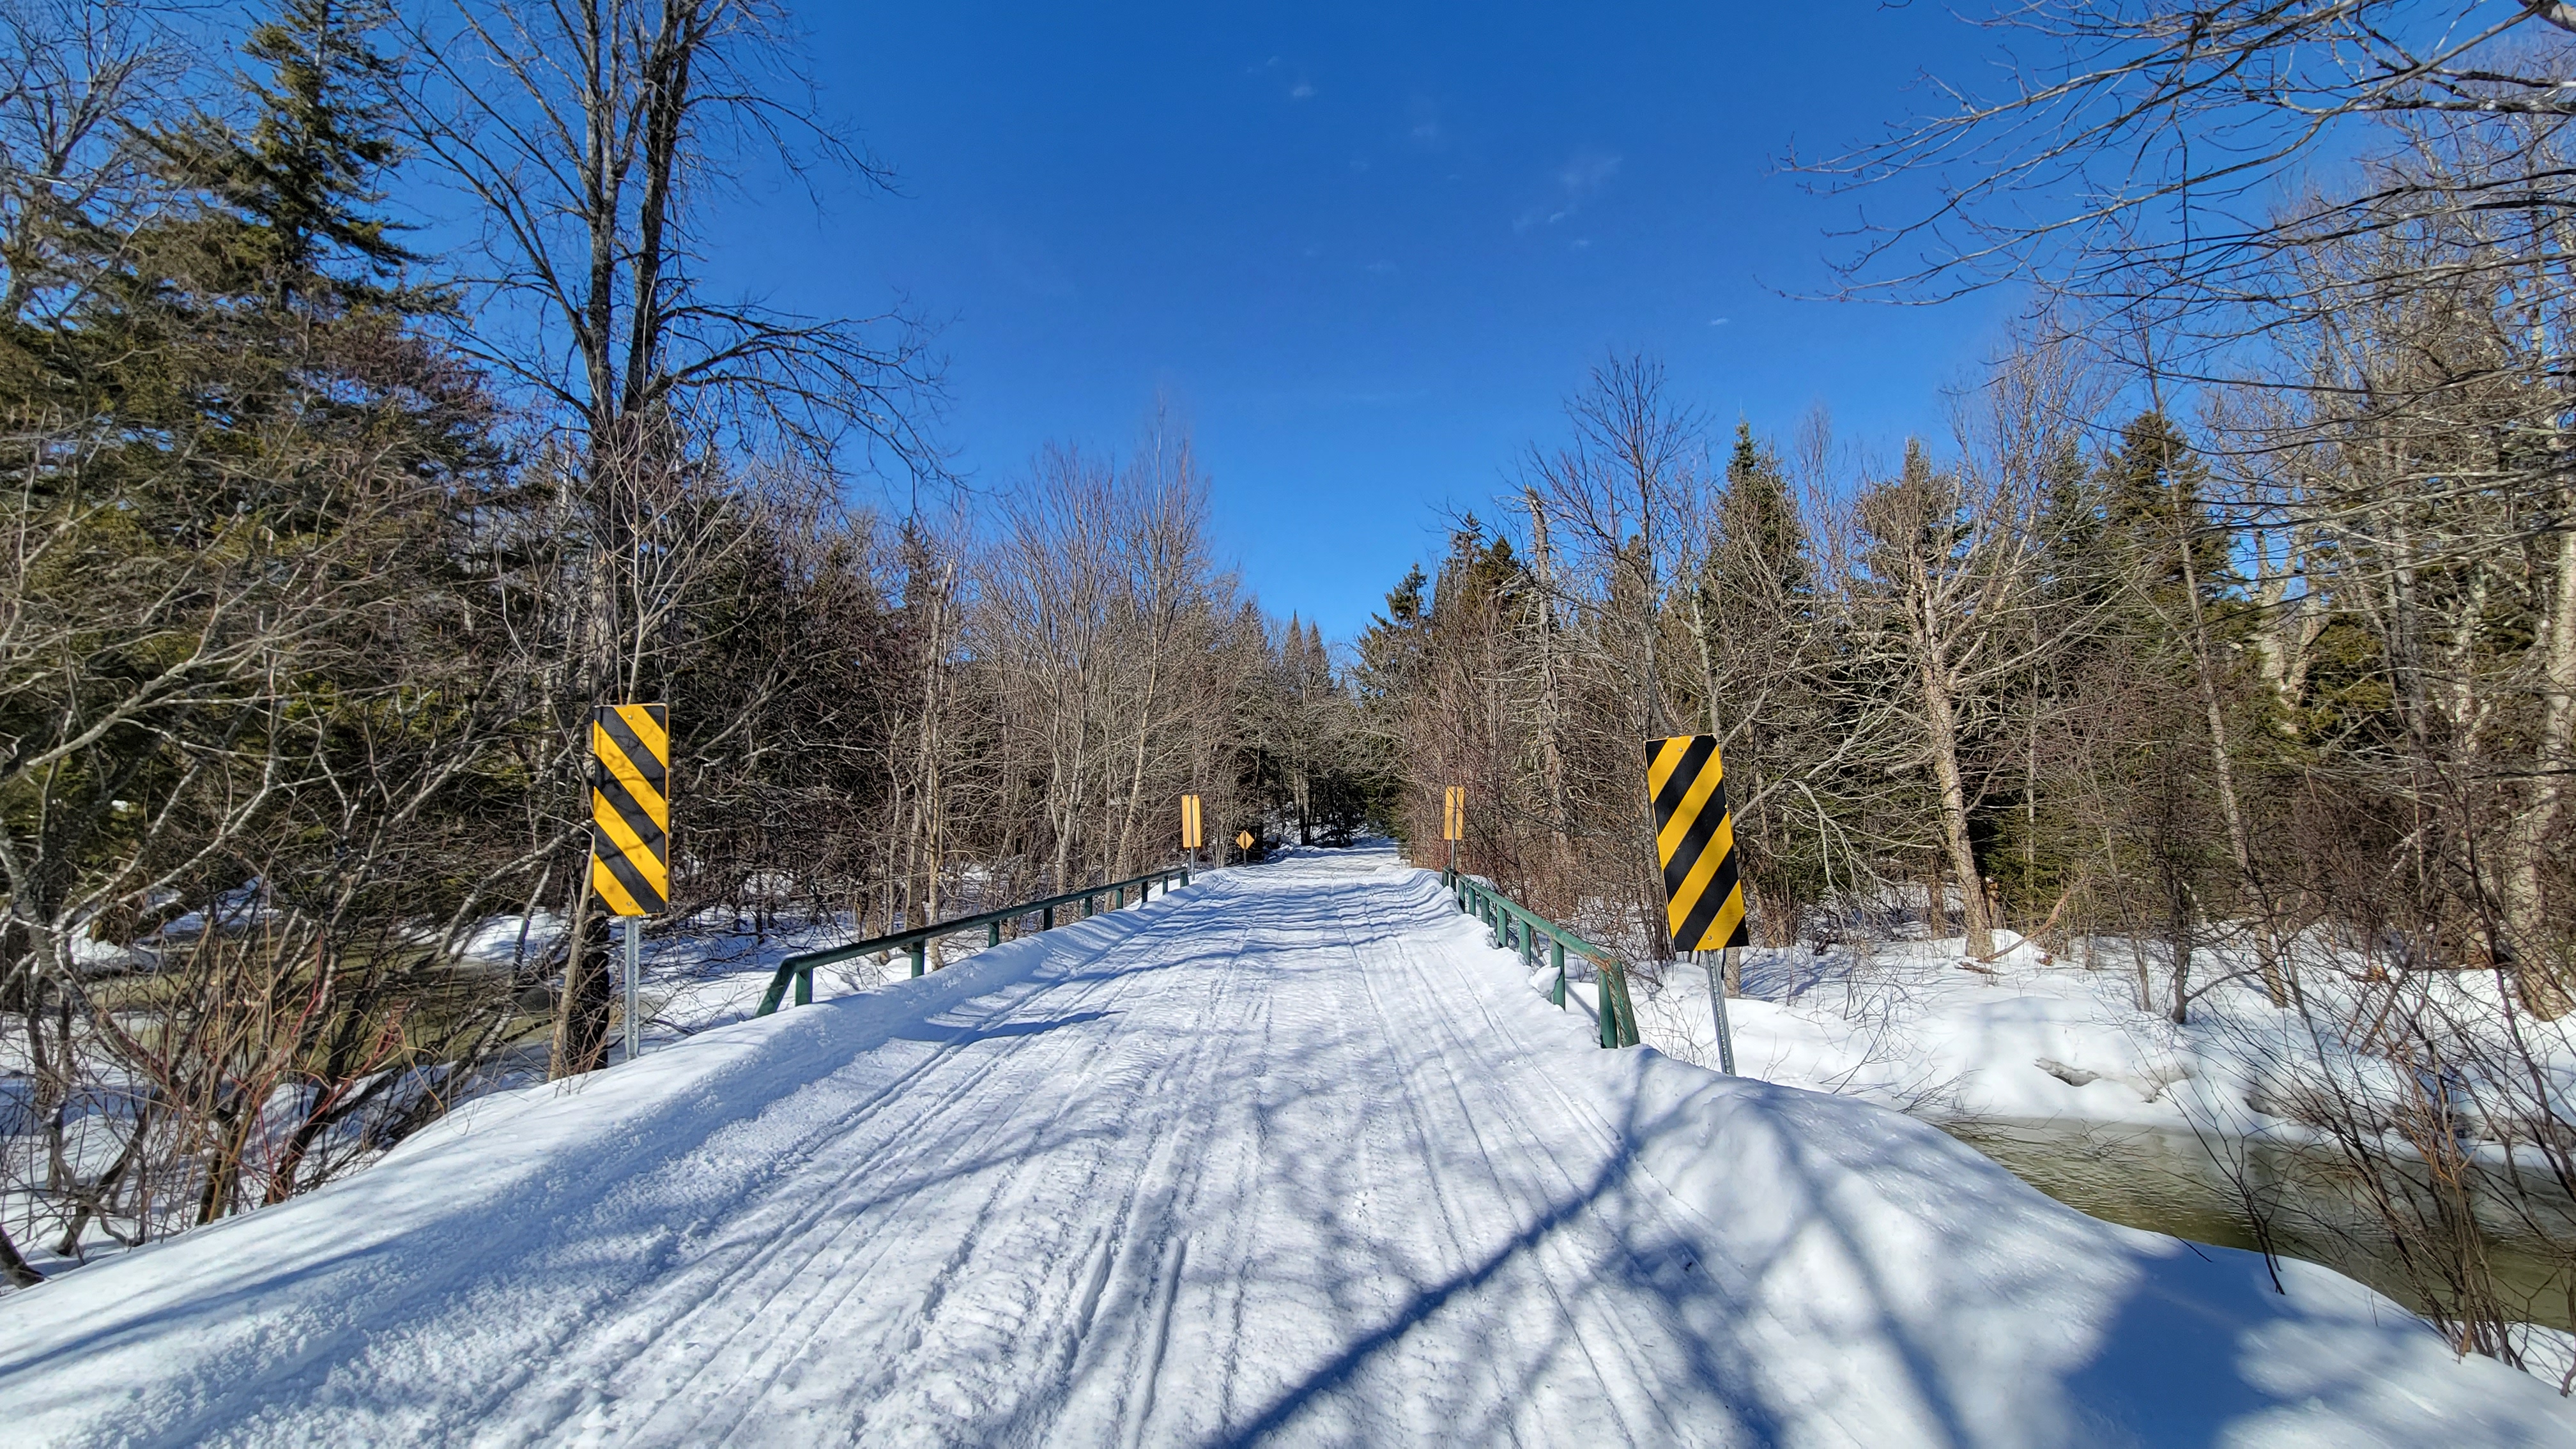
(1287, 1155)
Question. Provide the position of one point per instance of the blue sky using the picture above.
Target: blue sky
(1362, 250)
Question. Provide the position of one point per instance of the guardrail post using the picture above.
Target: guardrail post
(1556, 950)
(1119, 902)
(995, 938)
(919, 949)
(805, 987)
(1528, 946)
(1623, 1015)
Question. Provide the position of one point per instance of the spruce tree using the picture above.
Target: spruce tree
(300, 183)
(2154, 505)
(251, 459)
(1763, 541)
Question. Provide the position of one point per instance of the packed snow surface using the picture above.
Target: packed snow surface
(1289, 1155)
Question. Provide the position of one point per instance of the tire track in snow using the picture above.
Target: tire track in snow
(1550, 1259)
(1029, 1208)
(926, 1122)
(1578, 1250)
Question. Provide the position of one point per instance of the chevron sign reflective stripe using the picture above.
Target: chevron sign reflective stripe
(1695, 842)
(630, 807)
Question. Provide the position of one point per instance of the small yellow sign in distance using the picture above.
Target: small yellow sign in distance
(1453, 813)
(630, 807)
(1191, 838)
(1243, 841)
(1695, 843)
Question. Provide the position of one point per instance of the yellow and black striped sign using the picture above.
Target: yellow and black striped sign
(1191, 836)
(1695, 841)
(1453, 813)
(630, 807)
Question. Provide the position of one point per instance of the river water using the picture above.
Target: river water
(2168, 1181)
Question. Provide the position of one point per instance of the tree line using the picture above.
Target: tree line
(324, 543)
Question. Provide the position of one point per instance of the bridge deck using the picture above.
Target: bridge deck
(1286, 1154)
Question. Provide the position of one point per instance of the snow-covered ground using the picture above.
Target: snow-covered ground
(1290, 1154)
(1920, 1025)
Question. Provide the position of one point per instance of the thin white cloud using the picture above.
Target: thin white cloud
(1381, 269)
(1583, 175)
(1588, 172)
(1426, 133)
(1302, 90)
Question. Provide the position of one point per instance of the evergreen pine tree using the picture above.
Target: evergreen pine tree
(2153, 493)
(301, 182)
(1763, 542)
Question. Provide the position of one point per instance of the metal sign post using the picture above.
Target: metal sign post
(1695, 843)
(634, 985)
(630, 831)
(1716, 961)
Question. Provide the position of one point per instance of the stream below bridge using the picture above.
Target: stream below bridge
(2170, 1181)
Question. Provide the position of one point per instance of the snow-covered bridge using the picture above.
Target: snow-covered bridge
(1288, 1155)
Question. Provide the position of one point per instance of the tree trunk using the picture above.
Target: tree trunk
(581, 1014)
(2540, 972)
(2240, 840)
(1551, 751)
(1941, 730)
(14, 1266)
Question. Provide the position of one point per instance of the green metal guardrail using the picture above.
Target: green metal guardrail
(1512, 922)
(800, 968)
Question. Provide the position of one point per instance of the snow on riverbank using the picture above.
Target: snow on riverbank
(1901, 1023)
(1288, 1155)
(1920, 1026)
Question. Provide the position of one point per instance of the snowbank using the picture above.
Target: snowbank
(1870, 1251)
